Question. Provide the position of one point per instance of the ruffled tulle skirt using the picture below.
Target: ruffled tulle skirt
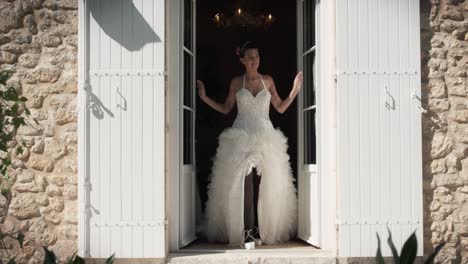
(238, 152)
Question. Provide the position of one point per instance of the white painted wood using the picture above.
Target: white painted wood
(374, 183)
(116, 134)
(317, 191)
(309, 198)
(83, 135)
(126, 127)
(415, 117)
(343, 135)
(364, 130)
(174, 141)
(300, 124)
(94, 248)
(127, 88)
(188, 206)
(384, 54)
(188, 175)
(379, 166)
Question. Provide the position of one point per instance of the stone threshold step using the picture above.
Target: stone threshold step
(241, 256)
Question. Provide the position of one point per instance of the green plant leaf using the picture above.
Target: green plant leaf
(409, 250)
(76, 260)
(20, 238)
(378, 257)
(49, 257)
(110, 260)
(396, 259)
(19, 150)
(4, 76)
(431, 258)
(5, 192)
(14, 109)
(79, 260)
(17, 122)
(10, 94)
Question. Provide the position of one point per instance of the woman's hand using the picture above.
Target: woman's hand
(298, 82)
(201, 89)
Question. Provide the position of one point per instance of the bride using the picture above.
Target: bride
(251, 144)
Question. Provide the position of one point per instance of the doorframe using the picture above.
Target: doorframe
(326, 68)
(173, 122)
(326, 83)
(325, 124)
(83, 132)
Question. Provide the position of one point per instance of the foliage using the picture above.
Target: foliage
(49, 256)
(110, 260)
(13, 113)
(12, 117)
(76, 260)
(408, 252)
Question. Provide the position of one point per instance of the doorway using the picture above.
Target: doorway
(217, 63)
(211, 57)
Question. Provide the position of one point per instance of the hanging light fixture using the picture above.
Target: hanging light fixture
(242, 18)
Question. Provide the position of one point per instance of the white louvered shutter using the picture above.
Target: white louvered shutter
(126, 129)
(379, 124)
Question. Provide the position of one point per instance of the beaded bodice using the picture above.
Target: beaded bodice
(253, 111)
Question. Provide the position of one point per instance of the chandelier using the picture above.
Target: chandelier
(241, 18)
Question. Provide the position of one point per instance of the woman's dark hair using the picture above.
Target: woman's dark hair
(244, 47)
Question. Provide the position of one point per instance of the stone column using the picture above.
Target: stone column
(444, 26)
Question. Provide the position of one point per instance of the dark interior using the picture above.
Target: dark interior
(217, 64)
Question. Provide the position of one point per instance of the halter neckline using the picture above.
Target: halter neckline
(263, 83)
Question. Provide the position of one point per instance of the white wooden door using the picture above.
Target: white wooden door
(188, 99)
(308, 177)
(379, 124)
(125, 134)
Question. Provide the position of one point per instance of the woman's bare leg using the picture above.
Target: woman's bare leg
(249, 213)
(256, 185)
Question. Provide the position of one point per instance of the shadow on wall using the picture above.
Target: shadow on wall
(123, 22)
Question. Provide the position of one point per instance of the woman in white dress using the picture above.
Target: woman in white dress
(251, 142)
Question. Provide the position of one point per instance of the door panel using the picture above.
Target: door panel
(378, 124)
(188, 182)
(125, 111)
(308, 178)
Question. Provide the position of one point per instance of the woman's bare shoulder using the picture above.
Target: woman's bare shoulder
(267, 78)
(237, 82)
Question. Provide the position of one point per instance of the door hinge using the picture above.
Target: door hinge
(165, 223)
(85, 85)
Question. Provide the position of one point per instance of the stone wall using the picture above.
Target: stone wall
(38, 39)
(444, 36)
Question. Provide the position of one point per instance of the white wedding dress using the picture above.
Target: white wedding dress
(251, 142)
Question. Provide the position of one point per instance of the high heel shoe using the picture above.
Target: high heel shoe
(249, 240)
(256, 236)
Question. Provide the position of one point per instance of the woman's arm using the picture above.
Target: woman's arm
(224, 108)
(282, 105)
